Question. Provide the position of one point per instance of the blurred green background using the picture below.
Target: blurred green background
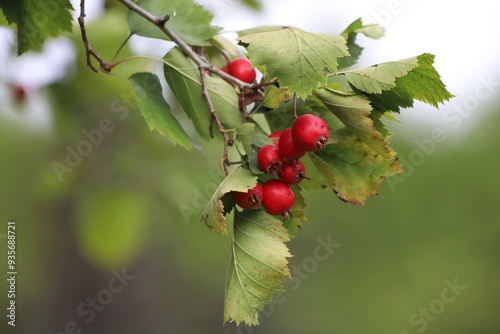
(113, 245)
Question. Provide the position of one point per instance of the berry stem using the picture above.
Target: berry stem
(121, 46)
(294, 106)
(216, 47)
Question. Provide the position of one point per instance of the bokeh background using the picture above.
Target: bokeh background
(112, 244)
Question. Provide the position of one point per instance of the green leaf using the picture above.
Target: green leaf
(188, 20)
(184, 80)
(376, 78)
(252, 137)
(350, 33)
(213, 53)
(260, 29)
(294, 223)
(424, 83)
(12, 10)
(376, 116)
(258, 265)
(112, 227)
(260, 137)
(298, 59)
(253, 4)
(353, 170)
(316, 180)
(282, 117)
(244, 134)
(370, 30)
(391, 100)
(156, 111)
(353, 109)
(323, 169)
(38, 20)
(3, 19)
(239, 179)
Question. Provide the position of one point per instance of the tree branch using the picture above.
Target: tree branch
(90, 52)
(185, 48)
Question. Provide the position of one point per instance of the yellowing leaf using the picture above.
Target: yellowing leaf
(353, 170)
(275, 96)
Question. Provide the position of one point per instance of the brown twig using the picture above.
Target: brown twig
(215, 117)
(90, 52)
(243, 106)
(266, 83)
(185, 48)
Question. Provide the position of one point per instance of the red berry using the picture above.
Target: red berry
(269, 159)
(278, 198)
(287, 147)
(20, 93)
(249, 200)
(292, 172)
(242, 69)
(275, 136)
(225, 69)
(310, 132)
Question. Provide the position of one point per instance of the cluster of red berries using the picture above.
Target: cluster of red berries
(241, 69)
(308, 133)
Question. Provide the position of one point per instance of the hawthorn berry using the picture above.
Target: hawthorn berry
(20, 93)
(310, 132)
(269, 159)
(287, 146)
(292, 172)
(275, 136)
(251, 199)
(278, 198)
(242, 69)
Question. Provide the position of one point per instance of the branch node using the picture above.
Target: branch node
(162, 20)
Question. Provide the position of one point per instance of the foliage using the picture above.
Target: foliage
(36, 20)
(302, 72)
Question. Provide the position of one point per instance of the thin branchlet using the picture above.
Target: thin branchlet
(90, 52)
(215, 117)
